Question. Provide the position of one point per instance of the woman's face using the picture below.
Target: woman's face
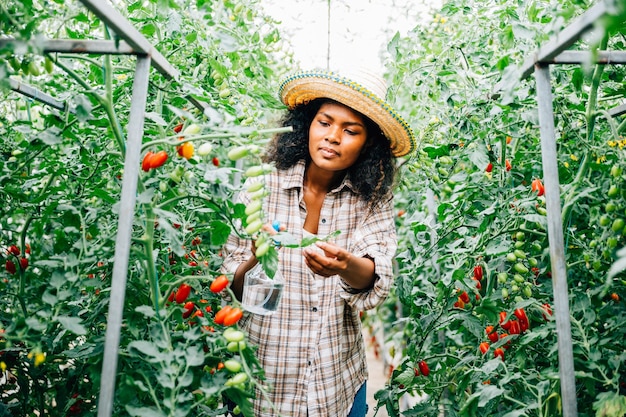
(337, 136)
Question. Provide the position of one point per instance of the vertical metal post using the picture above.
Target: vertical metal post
(124, 230)
(555, 239)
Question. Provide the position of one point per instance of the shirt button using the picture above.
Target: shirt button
(309, 363)
(314, 309)
(323, 220)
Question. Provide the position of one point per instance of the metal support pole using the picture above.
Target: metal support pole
(123, 239)
(555, 239)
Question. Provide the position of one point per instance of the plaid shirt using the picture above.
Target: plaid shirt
(312, 348)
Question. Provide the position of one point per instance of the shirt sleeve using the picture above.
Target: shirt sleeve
(375, 238)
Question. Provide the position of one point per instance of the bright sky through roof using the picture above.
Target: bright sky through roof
(359, 29)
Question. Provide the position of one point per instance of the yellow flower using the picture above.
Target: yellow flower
(573, 157)
(40, 358)
(3, 366)
(566, 164)
(612, 143)
(600, 159)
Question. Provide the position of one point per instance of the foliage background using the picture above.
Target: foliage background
(60, 176)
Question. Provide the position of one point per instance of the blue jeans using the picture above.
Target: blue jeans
(359, 408)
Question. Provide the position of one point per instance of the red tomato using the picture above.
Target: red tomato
(498, 352)
(233, 316)
(145, 164)
(465, 297)
(424, 368)
(221, 314)
(506, 324)
(182, 293)
(548, 311)
(514, 327)
(219, 284)
(178, 128)
(520, 314)
(491, 334)
(24, 263)
(537, 186)
(478, 272)
(158, 159)
(216, 161)
(484, 347)
(489, 167)
(13, 250)
(188, 309)
(10, 267)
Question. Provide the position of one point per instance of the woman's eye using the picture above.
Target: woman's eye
(323, 123)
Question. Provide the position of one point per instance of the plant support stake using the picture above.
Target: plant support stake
(124, 229)
(555, 239)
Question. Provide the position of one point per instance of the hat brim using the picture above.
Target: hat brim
(303, 87)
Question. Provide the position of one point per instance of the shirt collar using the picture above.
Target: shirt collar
(294, 178)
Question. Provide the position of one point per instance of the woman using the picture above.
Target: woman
(335, 171)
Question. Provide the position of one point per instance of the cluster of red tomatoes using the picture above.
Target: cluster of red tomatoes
(510, 326)
(15, 258)
(463, 299)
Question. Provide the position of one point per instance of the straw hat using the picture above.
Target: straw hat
(361, 91)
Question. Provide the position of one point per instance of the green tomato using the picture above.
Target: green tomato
(511, 257)
(616, 171)
(520, 254)
(613, 191)
(618, 225)
(232, 365)
(521, 268)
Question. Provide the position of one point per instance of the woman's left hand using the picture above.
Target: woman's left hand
(330, 260)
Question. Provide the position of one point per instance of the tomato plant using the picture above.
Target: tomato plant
(61, 174)
(465, 212)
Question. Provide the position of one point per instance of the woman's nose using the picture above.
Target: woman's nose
(333, 135)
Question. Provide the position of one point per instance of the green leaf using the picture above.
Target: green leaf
(73, 324)
(144, 411)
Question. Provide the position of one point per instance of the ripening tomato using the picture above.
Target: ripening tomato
(547, 311)
(221, 314)
(484, 347)
(507, 165)
(537, 186)
(186, 150)
(424, 368)
(233, 316)
(219, 284)
(182, 293)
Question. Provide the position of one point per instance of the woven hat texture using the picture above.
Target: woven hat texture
(363, 91)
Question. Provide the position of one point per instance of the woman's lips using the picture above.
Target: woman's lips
(328, 153)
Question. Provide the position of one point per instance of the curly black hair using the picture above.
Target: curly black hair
(372, 175)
